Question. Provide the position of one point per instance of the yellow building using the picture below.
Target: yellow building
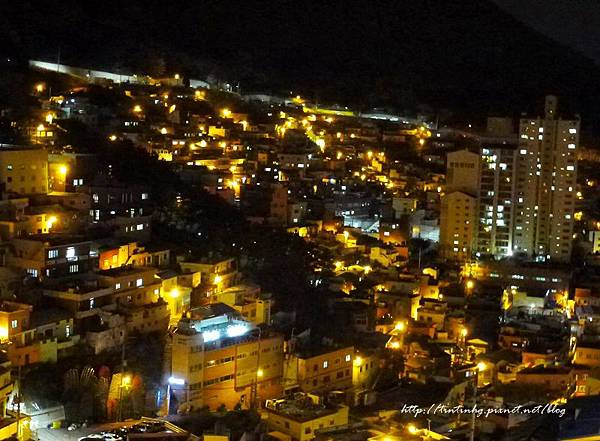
(323, 369)
(365, 370)
(24, 170)
(248, 301)
(304, 416)
(220, 274)
(219, 359)
(175, 295)
(587, 354)
(458, 217)
(136, 292)
(41, 336)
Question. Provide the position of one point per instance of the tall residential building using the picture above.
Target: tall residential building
(457, 220)
(545, 190)
(462, 172)
(459, 205)
(494, 230)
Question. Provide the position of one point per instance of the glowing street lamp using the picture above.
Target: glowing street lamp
(126, 381)
(50, 222)
(125, 384)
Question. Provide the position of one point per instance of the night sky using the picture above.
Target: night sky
(575, 23)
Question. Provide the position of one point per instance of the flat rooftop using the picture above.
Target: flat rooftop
(125, 271)
(300, 408)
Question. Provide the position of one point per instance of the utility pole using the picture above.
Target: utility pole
(19, 404)
(475, 381)
(123, 366)
(257, 374)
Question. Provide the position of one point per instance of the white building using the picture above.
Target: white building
(546, 185)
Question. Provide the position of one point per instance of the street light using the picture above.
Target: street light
(125, 384)
(174, 381)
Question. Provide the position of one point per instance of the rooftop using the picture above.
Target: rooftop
(301, 407)
(125, 271)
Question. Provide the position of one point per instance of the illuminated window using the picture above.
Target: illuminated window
(325, 364)
(70, 252)
(139, 282)
(52, 254)
(14, 323)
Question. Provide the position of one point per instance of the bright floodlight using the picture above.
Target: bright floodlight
(236, 330)
(209, 336)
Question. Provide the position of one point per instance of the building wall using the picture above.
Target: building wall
(305, 430)
(587, 356)
(228, 375)
(462, 170)
(546, 185)
(24, 171)
(457, 221)
(326, 372)
(494, 228)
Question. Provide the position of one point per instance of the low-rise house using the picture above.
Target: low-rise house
(303, 416)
